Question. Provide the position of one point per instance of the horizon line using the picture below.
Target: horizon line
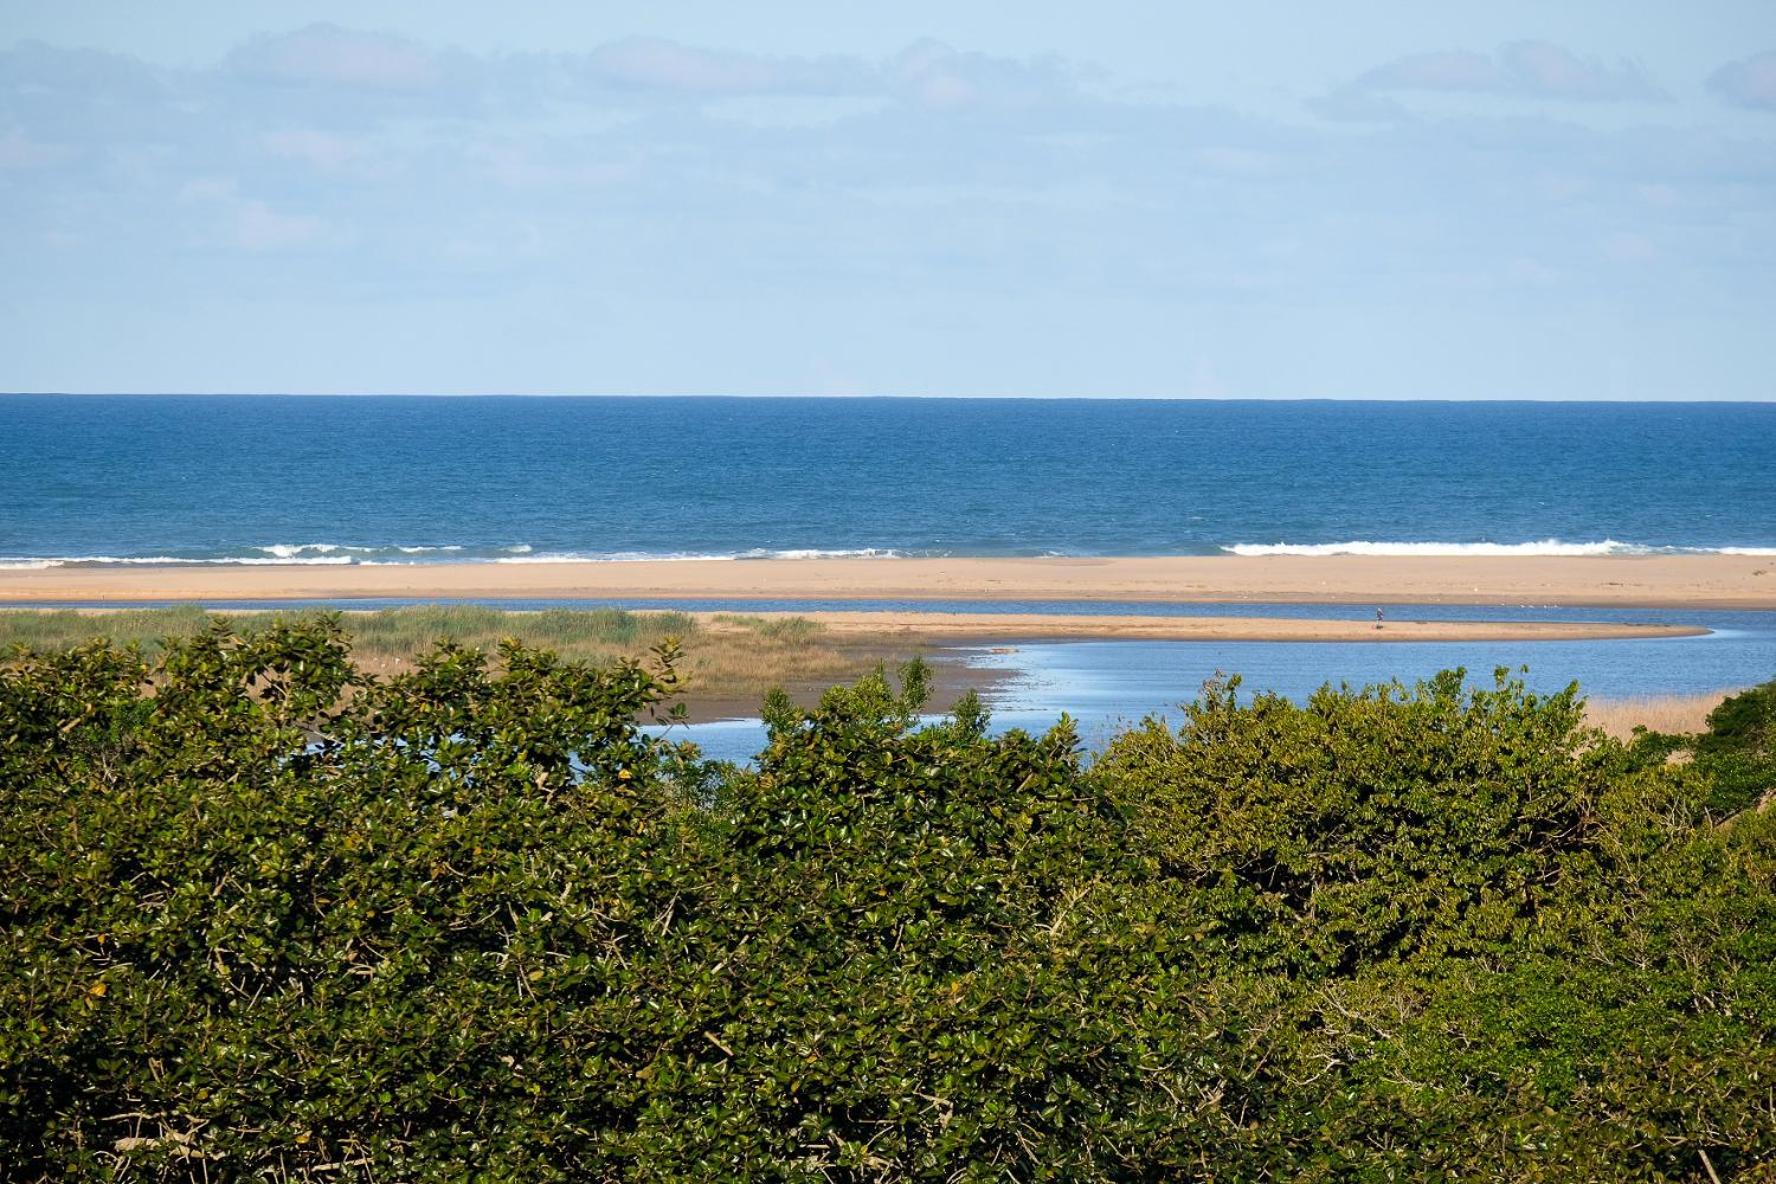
(875, 397)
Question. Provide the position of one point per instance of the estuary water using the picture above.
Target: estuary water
(1107, 685)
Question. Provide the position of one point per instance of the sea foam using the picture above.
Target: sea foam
(32, 562)
(1366, 547)
(697, 557)
(345, 554)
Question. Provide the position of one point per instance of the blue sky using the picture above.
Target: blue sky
(1387, 200)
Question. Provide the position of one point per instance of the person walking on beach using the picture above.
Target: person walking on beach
(1378, 618)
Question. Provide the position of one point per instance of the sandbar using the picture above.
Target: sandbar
(941, 628)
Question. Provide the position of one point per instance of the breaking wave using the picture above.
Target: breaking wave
(343, 555)
(1543, 547)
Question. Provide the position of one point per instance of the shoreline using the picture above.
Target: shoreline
(730, 660)
(1716, 581)
(960, 630)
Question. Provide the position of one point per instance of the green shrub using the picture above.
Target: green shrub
(268, 917)
(1368, 826)
(1738, 751)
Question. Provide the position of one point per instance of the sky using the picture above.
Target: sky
(1160, 199)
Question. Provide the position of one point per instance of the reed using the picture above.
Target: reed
(1678, 714)
(739, 658)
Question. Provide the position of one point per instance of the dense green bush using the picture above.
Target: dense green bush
(267, 917)
(1738, 751)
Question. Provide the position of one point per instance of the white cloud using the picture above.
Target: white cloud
(1748, 82)
(952, 183)
(324, 151)
(934, 75)
(206, 190)
(250, 224)
(261, 229)
(1630, 247)
(1532, 273)
(1519, 69)
(19, 151)
(327, 55)
(656, 64)
(1542, 69)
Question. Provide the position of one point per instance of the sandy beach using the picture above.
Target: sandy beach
(1700, 581)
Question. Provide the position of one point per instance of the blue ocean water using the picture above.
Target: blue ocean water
(402, 479)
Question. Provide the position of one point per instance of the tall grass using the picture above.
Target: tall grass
(1659, 713)
(741, 657)
(570, 632)
(777, 628)
(58, 629)
(395, 632)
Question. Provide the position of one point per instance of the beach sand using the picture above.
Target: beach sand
(1698, 581)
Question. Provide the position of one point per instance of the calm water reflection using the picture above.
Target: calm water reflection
(1105, 685)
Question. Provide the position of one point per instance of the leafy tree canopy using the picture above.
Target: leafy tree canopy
(268, 917)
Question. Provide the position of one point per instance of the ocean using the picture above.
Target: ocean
(312, 480)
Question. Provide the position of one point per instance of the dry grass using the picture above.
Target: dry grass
(729, 658)
(1663, 713)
